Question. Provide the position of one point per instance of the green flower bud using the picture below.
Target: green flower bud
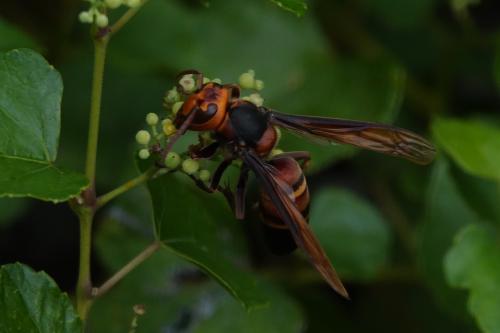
(152, 119)
(132, 3)
(176, 107)
(206, 80)
(169, 129)
(143, 137)
(86, 17)
(101, 20)
(166, 121)
(188, 83)
(190, 166)
(144, 154)
(247, 80)
(172, 160)
(172, 96)
(259, 85)
(113, 3)
(204, 175)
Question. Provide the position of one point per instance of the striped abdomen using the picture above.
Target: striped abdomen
(276, 231)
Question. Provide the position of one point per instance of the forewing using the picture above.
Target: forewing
(377, 137)
(296, 223)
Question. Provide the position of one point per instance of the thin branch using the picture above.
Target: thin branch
(105, 198)
(141, 257)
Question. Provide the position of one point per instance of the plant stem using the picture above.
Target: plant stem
(86, 209)
(100, 46)
(105, 198)
(141, 257)
(84, 284)
(125, 18)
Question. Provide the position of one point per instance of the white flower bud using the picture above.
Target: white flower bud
(132, 3)
(172, 96)
(113, 3)
(259, 85)
(190, 166)
(188, 83)
(85, 17)
(247, 80)
(204, 175)
(152, 119)
(143, 137)
(255, 99)
(144, 154)
(101, 20)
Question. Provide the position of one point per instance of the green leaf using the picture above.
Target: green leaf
(190, 223)
(446, 212)
(32, 302)
(361, 90)
(401, 15)
(154, 283)
(473, 145)
(472, 263)
(352, 232)
(171, 290)
(11, 37)
(30, 117)
(283, 315)
(298, 7)
(21, 178)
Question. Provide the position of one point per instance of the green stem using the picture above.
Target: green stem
(84, 284)
(100, 46)
(105, 198)
(86, 209)
(140, 258)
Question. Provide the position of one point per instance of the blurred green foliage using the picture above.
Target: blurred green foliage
(389, 226)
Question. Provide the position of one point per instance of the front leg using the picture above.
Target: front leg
(237, 200)
(214, 184)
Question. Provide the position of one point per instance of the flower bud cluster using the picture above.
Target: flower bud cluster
(247, 80)
(96, 14)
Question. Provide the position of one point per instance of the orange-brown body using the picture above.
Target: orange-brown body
(290, 173)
